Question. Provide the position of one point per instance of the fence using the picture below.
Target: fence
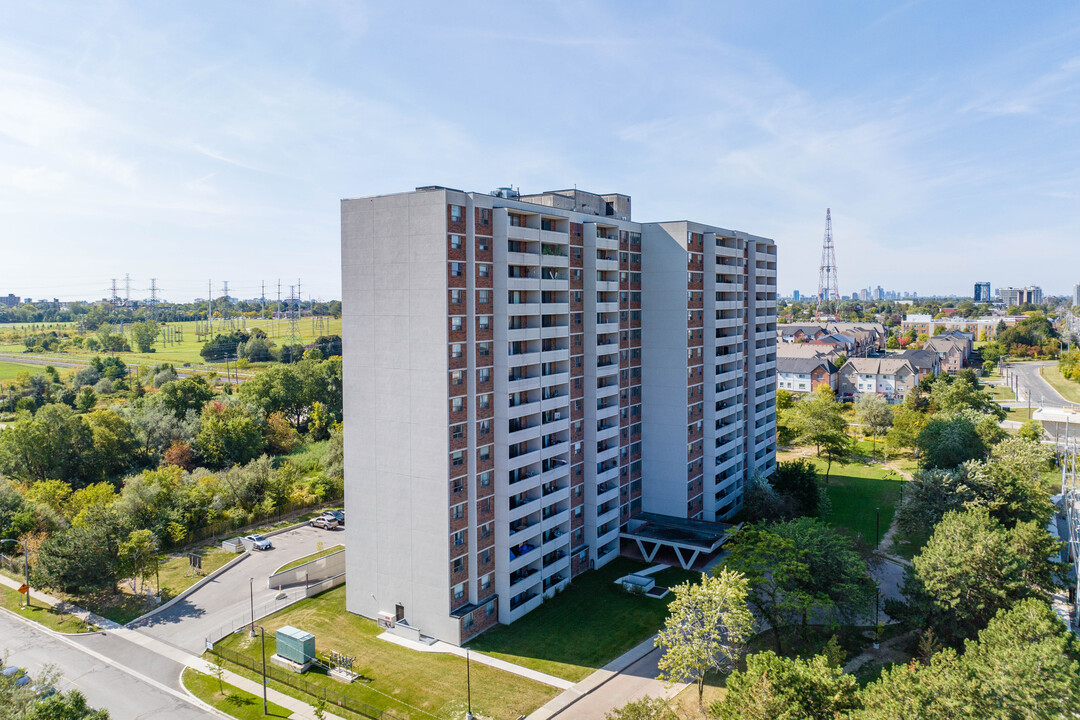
(225, 528)
(293, 680)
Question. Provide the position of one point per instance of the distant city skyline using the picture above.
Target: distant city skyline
(182, 143)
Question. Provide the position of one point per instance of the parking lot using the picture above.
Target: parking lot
(231, 594)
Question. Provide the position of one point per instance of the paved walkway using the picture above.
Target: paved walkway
(630, 676)
(300, 709)
(84, 615)
(443, 647)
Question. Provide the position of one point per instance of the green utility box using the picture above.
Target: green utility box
(295, 645)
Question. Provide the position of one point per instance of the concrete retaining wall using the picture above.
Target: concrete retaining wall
(310, 572)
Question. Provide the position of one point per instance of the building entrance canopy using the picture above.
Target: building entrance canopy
(688, 538)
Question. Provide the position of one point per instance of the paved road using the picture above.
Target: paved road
(633, 683)
(146, 685)
(228, 596)
(1033, 385)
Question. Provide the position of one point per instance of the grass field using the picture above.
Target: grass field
(1018, 414)
(231, 700)
(186, 352)
(584, 627)
(409, 684)
(11, 370)
(40, 613)
(308, 558)
(175, 572)
(1066, 388)
(1001, 392)
(855, 490)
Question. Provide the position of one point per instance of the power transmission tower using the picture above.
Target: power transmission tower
(225, 318)
(127, 289)
(828, 294)
(153, 299)
(277, 310)
(262, 296)
(114, 298)
(209, 310)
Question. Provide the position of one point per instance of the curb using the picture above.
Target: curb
(193, 588)
(196, 699)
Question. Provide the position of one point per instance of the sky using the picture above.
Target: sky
(209, 141)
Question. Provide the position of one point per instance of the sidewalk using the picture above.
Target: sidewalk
(84, 615)
(443, 647)
(301, 710)
(599, 678)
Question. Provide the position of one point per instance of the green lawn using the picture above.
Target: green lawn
(1001, 392)
(187, 351)
(584, 627)
(232, 700)
(11, 370)
(405, 682)
(40, 613)
(1018, 414)
(855, 490)
(1066, 388)
(308, 558)
(176, 575)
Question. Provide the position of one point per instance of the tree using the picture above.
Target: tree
(797, 482)
(51, 444)
(77, 560)
(144, 334)
(230, 434)
(1011, 482)
(1024, 665)
(971, 568)
(281, 436)
(86, 399)
(797, 566)
(222, 347)
(874, 414)
(187, 394)
(817, 420)
(24, 703)
(179, 454)
(945, 442)
(138, 556)
(774, 687)
(1031, 430)
(906, 425)
(112, 442)
(647, 708)
(707, 624)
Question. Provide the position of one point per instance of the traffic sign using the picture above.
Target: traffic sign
(23, 589)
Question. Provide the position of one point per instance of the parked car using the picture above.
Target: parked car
(43, 691)
(324, 521)
(19, 675)
(258, 542)
(338, 515)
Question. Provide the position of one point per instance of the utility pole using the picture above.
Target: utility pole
(262, 296)
(209, 310)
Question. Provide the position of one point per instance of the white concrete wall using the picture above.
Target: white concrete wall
(395, 377)
(663, 364)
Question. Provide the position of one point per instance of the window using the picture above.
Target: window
(483, 270)
(459, 538)
(483, 244)
(467, 623)
(485, 216)
(575, 274)
(483, 297)
(456, 213)
(483, 401)
(485, 582)
(455, 297)
(456, 242)
(457, 512)
(485, 556)
(457, 566)
(457, 377)
(457, 432)
(455, 323)
(483, 375)
(457, 404)
(457, 458)
(456, 269)
(484, 453)
(458, 486)
(483, 349)
(484, 427)
(484, 478)
(483, 322)
(456, 350)
(485, 530)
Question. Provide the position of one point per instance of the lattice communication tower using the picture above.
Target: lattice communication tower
(828, 294)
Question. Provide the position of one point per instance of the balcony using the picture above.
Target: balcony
(521, 575)
(523, 599)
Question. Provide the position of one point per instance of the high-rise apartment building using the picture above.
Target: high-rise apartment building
(1076, 295)
(1011, 296)
(526, 374)
(982, 292)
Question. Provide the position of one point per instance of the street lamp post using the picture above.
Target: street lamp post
(26, 564)
(262, 635)
(468, 684)
(877, 592)
(251, 593)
